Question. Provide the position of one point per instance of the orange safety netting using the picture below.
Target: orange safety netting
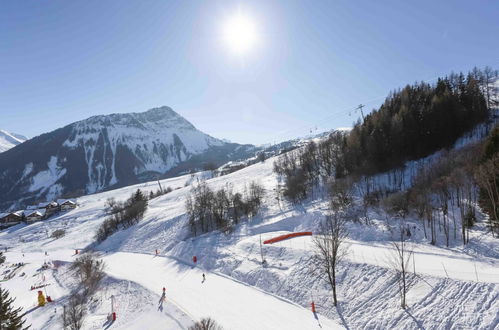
(287, 236)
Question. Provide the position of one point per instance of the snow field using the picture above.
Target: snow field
(444, 293)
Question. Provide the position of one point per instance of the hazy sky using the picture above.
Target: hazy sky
(62, 61)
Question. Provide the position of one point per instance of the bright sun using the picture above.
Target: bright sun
(240, 33)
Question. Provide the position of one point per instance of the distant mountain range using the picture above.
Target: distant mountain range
(10, 140)
(108, 151)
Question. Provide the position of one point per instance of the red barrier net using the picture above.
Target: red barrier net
(287, 236)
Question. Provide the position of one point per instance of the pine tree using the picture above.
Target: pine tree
(10, 318)
(139, 196)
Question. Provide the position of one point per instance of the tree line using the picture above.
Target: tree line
(123, 214)
(209, 210)
(412, 123)
(417, 121)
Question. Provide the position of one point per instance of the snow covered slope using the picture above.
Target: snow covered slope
(10, 140)
(108, 151)
(455, 287)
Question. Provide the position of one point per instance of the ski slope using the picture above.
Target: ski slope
(216, 297)
(454, 287)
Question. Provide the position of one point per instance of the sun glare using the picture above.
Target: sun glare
(240, 33)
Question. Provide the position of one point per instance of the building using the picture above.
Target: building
(66, 204)
(31, 216)
(50, 207)
(10, 218)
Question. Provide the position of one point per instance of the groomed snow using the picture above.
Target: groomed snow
(239, 293)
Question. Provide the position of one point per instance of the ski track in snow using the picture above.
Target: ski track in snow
(368, 292)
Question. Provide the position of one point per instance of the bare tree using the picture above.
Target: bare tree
(90, 272)
(330, 248)
(487, 177)
(205, 324)
(399, 260)
(340, 192)
(74, 312)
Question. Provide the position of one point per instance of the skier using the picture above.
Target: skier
(163, 298)
(204, 277)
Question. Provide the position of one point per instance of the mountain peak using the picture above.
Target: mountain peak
(165, 116)
(156, 118)
(9, 140)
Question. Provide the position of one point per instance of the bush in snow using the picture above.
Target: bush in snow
(123, 215)
(205, 324)
(160, 192)
(340, 193)
(90, 271)
(58, 233)
(74, 312)
(397, 204)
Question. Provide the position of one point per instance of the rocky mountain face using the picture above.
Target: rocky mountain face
(10, 140)
(108, 151)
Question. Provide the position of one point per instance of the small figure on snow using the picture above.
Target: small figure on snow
(162, 300)
(204, 278)
(163, 296)
(46, 253)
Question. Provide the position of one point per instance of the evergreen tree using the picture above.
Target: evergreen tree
(10, 317)
(139, 196)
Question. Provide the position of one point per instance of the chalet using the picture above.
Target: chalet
(50, 207)
(66, 204)
(10, 218)
(34, 215)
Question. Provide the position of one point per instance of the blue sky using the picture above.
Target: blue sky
(62, 61)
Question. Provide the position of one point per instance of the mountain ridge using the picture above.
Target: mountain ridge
(9, 140)
(108, 151)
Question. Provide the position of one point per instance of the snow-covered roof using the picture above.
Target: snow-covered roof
(39, 212)
(31, 207)
(46, 204)
(65, 201)
(19, 213)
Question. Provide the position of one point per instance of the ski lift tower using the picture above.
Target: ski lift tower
(359, 108)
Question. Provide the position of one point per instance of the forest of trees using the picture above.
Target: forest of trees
(417, 121)
(487, 178)
(412, 123)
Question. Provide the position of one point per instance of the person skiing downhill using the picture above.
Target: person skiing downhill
(163, 296)
(204, 277)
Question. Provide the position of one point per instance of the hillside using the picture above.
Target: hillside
(452, 286)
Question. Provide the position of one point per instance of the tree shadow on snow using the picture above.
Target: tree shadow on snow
(418, 323)
(343, 321)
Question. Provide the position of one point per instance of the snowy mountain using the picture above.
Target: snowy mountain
(108, 151)
(10, 140)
